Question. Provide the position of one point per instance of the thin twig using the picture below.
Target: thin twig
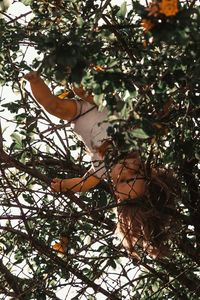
(19, 17)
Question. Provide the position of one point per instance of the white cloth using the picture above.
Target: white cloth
(91, 126)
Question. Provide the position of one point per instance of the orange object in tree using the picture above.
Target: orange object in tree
(169, 7)
(61, 246)
(147, 24)
(63, 95)
(66, 95)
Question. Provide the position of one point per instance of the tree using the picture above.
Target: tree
(149, 55)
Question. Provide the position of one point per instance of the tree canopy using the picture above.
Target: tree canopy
(62, 246)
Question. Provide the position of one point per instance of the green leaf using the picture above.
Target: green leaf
(21, 117)
(17, 139)
(139, 133)
(26, 2)
(112, 263)
(98, 99)
(13, 107)
(80, 21)
(28, 198)
(122, 11)
(18, 260)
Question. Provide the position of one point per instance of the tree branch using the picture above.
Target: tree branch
(12, 280)
(46, 251)
(5, 158)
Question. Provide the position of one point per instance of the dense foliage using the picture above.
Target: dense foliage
(147, 53)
